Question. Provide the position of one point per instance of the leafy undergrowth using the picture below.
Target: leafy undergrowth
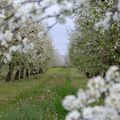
(39, 98)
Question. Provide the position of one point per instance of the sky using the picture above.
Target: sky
(60, 36)
(59, 32)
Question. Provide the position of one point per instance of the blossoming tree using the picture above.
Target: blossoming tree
(14, 15)
(23, 44)
(83, 105)
(101, 98)
(88, 43)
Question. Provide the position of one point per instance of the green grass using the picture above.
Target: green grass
(40, 97)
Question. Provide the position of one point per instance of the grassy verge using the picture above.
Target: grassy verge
(39, 98)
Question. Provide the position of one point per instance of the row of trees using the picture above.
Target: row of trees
(35, 57)
(95, 47)
(15, 29)
(25, 46)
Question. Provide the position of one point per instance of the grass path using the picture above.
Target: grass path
(39, 98)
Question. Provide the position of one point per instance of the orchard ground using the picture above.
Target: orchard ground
(40, 97)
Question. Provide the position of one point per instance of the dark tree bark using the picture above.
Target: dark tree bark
(10, 72)
(22, 73)
(27, 73)
(87, 74)
(1, 64)
(31, 72)
(17, 74)
(37, 71)
(40, 70)
(97, 73)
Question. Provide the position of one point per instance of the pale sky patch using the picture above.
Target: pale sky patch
(60, 36)
(59, 32)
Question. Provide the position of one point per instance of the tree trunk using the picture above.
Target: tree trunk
(27, 73)
(87, 74)
(22, 73)
(40, 70)
(1, 64)
(17, 74)
(10, 72)
(31, 73)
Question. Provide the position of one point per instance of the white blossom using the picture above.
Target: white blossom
(8, 35)
(4, 43)
(113, 74)
(13, 49)
(119, 5)
(74, 115)
(116, 16)
(110, 86)
(113, 99)
(97, 84)
(106, 22)
(67, 102)
(2, 16)
(100, 113)
(8, 57)
(84, 2)
(87, 113)
(25, 41)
